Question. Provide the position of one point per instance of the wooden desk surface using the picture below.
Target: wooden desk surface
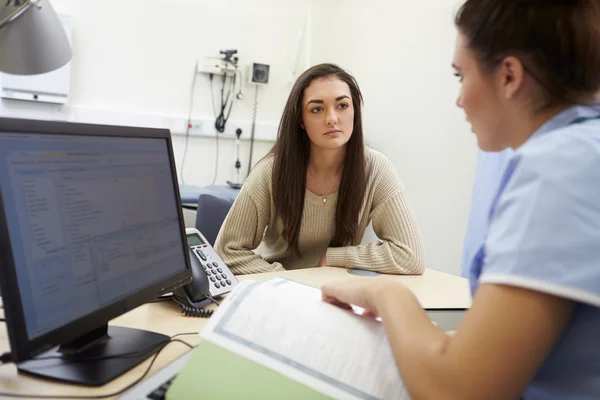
(433, 289)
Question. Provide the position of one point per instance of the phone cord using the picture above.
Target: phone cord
(195, 312)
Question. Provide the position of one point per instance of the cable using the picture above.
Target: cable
(220, 116)
(196, 312)
(2, 320)
(184, 334)
(216, 158)
(238, 164)
(162, 299)
(221, 119)
(240, 93)
(189, 122)
(212, 97)
(223, 116)
(103, 396)
(213, 300)
(254, 112)
(189, 311)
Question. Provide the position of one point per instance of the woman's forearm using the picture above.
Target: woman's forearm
(498, 348)
(417, 344)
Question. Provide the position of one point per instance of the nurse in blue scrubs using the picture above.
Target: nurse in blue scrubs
(530, 75)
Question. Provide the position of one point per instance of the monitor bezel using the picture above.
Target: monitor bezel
(24, 348)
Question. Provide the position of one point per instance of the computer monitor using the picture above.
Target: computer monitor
(91, 227)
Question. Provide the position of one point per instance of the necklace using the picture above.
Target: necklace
(322, 192)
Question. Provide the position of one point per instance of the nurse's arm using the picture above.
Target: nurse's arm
(496, 351)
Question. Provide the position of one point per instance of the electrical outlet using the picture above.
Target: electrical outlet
(196, 127)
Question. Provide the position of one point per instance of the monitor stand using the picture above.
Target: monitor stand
(85, 360)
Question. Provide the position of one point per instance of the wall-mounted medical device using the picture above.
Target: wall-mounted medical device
(258, 74)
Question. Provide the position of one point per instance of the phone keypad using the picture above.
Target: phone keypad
(220, 279)
(216, 275)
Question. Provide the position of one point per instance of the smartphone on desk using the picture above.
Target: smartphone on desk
(211, 277)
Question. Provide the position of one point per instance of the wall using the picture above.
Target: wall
(401, 54)
(138, 56)
(132, 58)
(143, 54)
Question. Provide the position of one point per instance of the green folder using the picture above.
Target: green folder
(213, 372)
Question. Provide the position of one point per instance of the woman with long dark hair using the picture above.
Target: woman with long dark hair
(309, 202)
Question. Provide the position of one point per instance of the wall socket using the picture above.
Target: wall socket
(196, 127)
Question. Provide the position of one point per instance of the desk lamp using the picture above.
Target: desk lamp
(32, 39)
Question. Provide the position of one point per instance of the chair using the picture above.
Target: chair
(212, 211)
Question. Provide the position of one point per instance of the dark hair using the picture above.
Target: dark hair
(557, 41)
(292, 151)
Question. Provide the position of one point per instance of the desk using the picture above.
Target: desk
(433, 289)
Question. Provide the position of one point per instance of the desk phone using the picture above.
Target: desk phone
(210, 277)
(220, 278)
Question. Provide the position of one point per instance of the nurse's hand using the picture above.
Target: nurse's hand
(365, 293)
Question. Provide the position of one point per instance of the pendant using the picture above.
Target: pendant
(324, 200)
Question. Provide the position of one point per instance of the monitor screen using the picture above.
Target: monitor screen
(91, 221)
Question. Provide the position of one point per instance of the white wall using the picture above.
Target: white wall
(133, 58)
(138, 56)
(401, 54)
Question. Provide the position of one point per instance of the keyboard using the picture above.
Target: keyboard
(155, 387)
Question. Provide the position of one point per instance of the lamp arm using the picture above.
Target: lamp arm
(17, 13)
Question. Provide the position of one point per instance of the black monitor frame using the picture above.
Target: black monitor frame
(23, 348)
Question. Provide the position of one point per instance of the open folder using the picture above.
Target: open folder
(278, 339)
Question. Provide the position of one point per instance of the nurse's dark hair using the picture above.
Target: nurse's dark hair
(557, 41)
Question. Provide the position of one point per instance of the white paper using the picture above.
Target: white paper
(285, 326)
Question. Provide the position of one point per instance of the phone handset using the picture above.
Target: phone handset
(211, 277)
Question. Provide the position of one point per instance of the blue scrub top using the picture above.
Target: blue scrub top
(544, 235)
(488, 173)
